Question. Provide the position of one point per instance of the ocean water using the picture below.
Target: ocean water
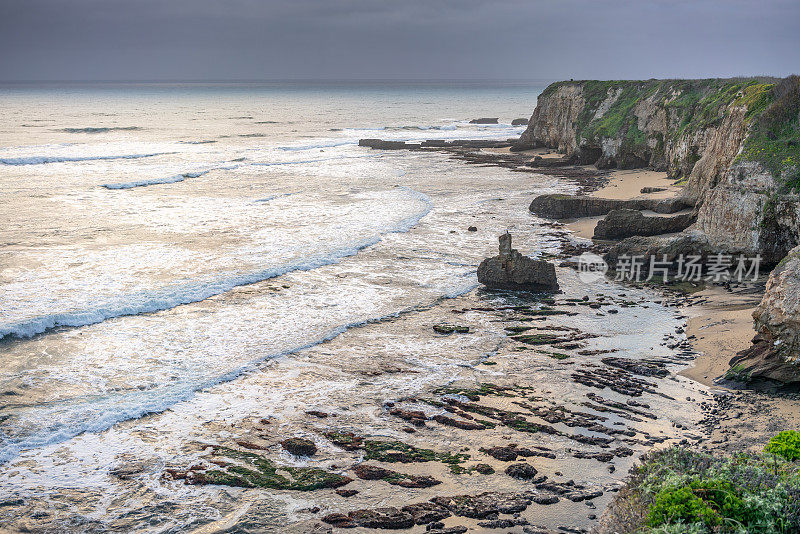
(177, 258)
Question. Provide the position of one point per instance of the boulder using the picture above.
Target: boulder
(512, 270)
(619, 224)
(519, 122)
(559, 206)
(484, 120)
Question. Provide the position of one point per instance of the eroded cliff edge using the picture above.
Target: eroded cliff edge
(734, 145)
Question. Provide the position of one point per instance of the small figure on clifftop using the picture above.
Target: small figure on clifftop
(511, 270)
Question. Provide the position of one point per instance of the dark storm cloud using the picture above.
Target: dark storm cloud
(346, 39)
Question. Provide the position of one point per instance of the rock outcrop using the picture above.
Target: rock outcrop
(484, 120)
(777, 317)
(620, 224)
(512, 270)
(557, 206)
(735, 143)
(774, 356)
(519, 122)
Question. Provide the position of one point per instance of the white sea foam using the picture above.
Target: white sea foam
(40, 160)
(155, 181)
(164, 298)
(96, 414)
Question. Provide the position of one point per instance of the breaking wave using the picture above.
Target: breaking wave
(40, 160)
(164, 298)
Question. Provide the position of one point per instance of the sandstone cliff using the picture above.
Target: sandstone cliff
(734, 143)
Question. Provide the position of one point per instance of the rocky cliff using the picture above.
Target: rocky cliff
(733, 143)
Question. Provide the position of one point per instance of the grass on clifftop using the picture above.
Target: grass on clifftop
(774, 139)
(678, 490)
(772, 108)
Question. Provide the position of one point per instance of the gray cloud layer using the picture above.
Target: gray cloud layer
(391, 39)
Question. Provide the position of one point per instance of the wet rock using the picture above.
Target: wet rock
(503, 523)
(415, 417)
(504, 454)
(372, 472)
(449, 530)
(485, 504)
(464, 425)
(472, 229)
(484, 120)
(519, 122)
(639, 367)
(512, 270)
(622, 223)
(299, 446)
(427, 512)
(446, 328)
(384, 518)
(484, 469)
(521, 471)
(249, 470)
(380, 144)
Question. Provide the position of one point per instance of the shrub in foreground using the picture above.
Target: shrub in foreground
(679, 490)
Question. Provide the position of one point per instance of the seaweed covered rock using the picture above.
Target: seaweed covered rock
(299, 446)
(512, 270)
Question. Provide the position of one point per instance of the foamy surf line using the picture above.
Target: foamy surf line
(102, 414)
(41, 160)
(177, 295)
(156, 181)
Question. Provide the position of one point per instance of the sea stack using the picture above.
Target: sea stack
(511, 270)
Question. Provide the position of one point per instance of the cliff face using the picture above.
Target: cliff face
(735, 144)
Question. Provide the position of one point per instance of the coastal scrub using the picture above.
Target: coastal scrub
(681, 490)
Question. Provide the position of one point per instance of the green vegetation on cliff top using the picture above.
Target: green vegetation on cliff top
(771, 110)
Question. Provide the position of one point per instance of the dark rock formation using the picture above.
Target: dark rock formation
(512, 270)
(619, 224)
(648, 190)
(558, 206)
(381, 144)
(519, 122)
(484, 120)
(775, 353)
(299, 446)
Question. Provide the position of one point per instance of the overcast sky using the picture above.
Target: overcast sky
(395, 39)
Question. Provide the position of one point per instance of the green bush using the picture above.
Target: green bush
(786, 444)
(678, 490)
(680, 505)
